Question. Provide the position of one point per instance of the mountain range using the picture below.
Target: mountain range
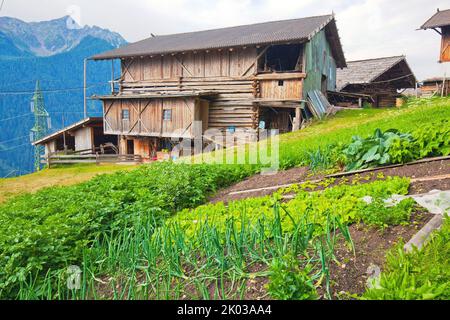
(47, 38)
(53, 53)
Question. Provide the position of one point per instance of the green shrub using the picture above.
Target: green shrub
(288, 282)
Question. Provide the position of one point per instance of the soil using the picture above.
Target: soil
(302, 174)
(261, 181)
(371, 246)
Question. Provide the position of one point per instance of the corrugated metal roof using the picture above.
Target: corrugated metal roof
(365, 71)
(440, 19)
(74, 126)
(260, 33)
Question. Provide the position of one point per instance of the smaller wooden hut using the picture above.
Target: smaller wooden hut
(437, 86)
(85, 136)
(382, 79)
(440, 22)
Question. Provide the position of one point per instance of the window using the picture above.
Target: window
(125, 114)
(167, 115)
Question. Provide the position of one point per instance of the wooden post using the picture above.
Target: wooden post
(112, 77)
(443, 85)
(298, 119)
(85, 88)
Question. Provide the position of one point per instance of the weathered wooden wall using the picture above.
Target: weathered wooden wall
(84, 138)
(146, 116)
(319, 62)
(224, 63)
(229, 75)
(281, 89)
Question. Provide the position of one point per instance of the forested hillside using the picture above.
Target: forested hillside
(61, 78)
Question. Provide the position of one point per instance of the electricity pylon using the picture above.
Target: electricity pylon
(41, 124)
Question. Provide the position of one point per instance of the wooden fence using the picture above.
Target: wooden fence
(53, 159)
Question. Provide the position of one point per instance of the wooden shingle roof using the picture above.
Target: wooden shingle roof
(255, 34)
(368, 71)
(439, 19)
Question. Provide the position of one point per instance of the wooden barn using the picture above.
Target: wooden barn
(437, 86)
(380, 78)
(85, 136)
(237, 80)
(440, 22)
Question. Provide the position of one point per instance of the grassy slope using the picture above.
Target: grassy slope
(62, 176)
(294, 146)
(359, 122)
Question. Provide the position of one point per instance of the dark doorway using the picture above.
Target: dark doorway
(130, 146)
(277, 118)
(100, 139)
(324, 85)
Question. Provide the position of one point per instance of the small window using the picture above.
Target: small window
(167, 115)
(280, 83)
(125, 114)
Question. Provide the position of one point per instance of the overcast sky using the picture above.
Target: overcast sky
(368, 28)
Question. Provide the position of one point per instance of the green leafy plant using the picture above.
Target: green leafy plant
(287, 281)
(374, 150)
(380, 215)
(392, 146)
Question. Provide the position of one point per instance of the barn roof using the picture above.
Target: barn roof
(255, 34)
(439, 19)
(371, 70)
(72, 127)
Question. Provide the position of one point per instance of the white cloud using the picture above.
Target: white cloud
(368, 28)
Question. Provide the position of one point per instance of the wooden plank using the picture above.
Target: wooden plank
(280, 76)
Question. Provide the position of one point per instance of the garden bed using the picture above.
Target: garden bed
(301, 175)
(371, 246)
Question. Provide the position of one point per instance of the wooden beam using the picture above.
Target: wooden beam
(280, 76)
(183, 66)
(256, 60)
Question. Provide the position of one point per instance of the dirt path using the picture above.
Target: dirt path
(299, 175)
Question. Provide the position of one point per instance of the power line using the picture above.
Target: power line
(16, 117)
(28, 81)
(51, 113)
(50, 90)
(15, 139)
(16, 147)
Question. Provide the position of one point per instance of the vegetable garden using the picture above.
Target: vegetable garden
(145, 234)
